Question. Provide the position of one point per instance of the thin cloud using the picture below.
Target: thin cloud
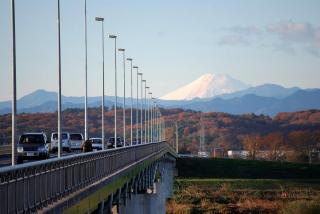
(239, 35)
(245, 30)
(301, 35)
(233, 40)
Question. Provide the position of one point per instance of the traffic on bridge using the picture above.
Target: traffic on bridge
(64, 171)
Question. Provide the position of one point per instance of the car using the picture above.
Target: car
(96, 143)
(76, 140)
(32, 146)
(134, 141)
(65, 142)
(111, 143)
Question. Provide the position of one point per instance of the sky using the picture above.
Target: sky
(172, 41)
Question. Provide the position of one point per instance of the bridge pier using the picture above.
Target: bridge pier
(118, 200)
(101, 208)
(109, 203)
(125, 194)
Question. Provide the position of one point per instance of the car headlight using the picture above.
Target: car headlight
(20, 149)
(42, 149)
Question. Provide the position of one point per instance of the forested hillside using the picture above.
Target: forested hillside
(298, 131)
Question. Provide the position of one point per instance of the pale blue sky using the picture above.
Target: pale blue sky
(173, 41)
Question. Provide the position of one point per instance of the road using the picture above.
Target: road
(6, 160)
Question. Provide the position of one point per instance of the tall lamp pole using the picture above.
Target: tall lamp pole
(115, 89)
(14, 86)
(124, 95)
(149, 117)
(86, 73)
(137, 105)
(131, 94)
(152, 119)
(143, 107)
(100, 19)
(146, 119)
(59, 83)
(141, 128)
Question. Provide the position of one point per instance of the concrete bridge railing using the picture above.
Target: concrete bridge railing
(34, 186)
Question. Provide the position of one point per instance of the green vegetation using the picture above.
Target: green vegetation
(254, 169)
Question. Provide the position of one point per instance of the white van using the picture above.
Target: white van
(65, 141)
(76, 140)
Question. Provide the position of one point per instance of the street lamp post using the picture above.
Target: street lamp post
(146, 119)
(100, 19)
(137, 104)
(143, 107)
(124, 95)
(115, 88)
(129, 59)
(14, 86)
(141, 128)
(86, 73)
(59, 83)
(149, 117)
(152, 119)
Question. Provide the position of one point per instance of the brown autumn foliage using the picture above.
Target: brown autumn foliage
(286, 131)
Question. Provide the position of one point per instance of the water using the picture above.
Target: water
(154, 203)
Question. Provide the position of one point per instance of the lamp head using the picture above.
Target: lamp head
(99, 19)
(112, 36)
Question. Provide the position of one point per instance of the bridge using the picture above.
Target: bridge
(91, 182)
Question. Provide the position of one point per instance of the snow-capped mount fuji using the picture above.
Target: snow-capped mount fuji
(206, 86)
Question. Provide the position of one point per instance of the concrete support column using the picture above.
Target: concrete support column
(101, 207)
(130, 188)
(125, 193)
(108, 204)
(118, 200)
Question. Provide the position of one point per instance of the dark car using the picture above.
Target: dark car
(32, 146)
(96, 143)
(111, 143)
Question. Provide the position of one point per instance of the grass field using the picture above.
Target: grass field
(244, 196)
(245, 186)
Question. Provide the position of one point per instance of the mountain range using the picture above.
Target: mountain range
(268, 99)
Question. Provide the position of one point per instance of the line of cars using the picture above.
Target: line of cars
(37, 146)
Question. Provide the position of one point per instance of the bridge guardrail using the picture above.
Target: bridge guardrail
(30, 186)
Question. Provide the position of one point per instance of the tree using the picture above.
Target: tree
(304, 142)
(252, 144)
(275, 143)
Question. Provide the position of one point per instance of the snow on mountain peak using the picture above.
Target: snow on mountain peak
(208, 85)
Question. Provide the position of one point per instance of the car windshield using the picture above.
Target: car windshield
(32, 138)
(64, 136)
(96, 141)
(75, 136)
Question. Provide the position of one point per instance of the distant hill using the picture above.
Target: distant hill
(265, 90)
(277, 99)
(250, 103)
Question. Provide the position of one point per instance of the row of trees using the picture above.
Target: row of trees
(295, 146)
